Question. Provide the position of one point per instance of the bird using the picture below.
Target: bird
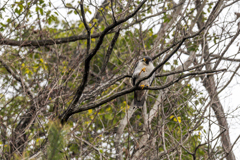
(143, 68)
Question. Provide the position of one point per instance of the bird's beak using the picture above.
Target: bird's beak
(144, 59)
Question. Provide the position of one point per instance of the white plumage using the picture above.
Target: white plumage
(143, 68)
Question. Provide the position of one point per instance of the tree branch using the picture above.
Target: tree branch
(64, 117)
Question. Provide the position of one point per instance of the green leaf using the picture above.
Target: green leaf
(95, 20)
(167, 63)
(175, 62)
(69, 5)
(41, 11)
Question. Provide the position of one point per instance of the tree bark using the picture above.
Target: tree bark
(210, 85)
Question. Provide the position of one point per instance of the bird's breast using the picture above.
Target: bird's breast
(147, 72)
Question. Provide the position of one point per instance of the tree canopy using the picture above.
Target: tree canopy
(66, 68)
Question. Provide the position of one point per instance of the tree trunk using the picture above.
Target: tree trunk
(210, 85)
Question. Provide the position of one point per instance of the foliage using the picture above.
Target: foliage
(55, 106)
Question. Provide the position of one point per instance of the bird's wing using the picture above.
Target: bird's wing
(135, 75)
(140, 95)
(153, 75)
(151, 79)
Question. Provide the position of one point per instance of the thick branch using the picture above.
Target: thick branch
(80, 89)
(126, 91)
(109, 51)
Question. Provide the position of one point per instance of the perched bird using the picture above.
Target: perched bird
(143, 68)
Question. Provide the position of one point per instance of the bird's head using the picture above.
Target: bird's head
(146, 60)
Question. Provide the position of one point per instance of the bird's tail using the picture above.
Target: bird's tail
(139, 100)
